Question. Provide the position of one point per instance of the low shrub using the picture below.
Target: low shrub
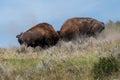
(105, 67)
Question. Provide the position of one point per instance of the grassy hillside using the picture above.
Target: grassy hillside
(84, 59)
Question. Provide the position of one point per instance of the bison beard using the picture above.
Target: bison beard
(42, 35)
(76, 27)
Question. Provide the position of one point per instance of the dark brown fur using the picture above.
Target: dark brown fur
(42, 35)
(75, 27)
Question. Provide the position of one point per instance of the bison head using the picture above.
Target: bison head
(20, 38)
(102, 27)
(98, 28)
(58, 32)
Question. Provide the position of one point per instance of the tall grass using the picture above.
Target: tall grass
(72, 60)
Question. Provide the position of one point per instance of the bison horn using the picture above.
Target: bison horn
(17, 36)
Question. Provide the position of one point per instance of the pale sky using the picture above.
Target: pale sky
(17, 16)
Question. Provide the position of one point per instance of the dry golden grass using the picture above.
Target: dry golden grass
(72, 60)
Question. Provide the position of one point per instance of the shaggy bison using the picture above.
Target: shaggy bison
(41, 35)
(80, 26)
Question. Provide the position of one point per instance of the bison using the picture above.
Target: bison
(42, 35)
(75, 27)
